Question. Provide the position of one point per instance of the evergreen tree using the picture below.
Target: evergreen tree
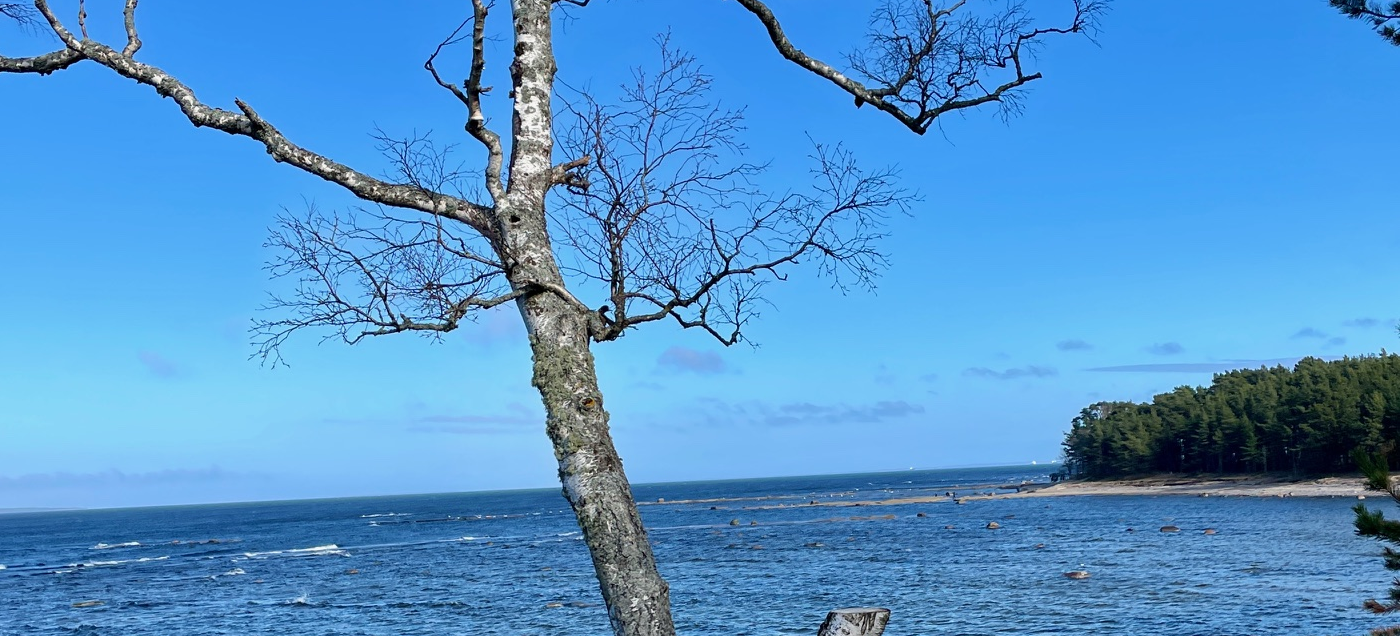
(1305, 420)
(1372, 523)
(1384, 19)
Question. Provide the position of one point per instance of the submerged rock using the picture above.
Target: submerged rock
(1208, 531)
(921, 515)
(1077, 574)
(88, 603)
(553, 605)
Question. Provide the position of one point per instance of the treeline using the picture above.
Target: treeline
(1304, 420)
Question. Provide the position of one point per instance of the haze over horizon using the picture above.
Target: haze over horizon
(1187, 196)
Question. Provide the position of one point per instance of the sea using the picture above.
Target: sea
(743, 557)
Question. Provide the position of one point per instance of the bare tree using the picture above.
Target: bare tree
(1384, 19)
(651, 204)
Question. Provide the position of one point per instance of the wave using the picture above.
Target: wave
(234, 572)
(109, 546)
(99, 564)
(329, 549)
(387, 514)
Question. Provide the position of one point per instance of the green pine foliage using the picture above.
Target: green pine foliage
(1372, 523)
(1304, 420)
(1384, 19)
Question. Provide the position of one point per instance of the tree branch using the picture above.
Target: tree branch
(247, 124)
(371, 273)
(671, 225)
(1380, 17)
(925, 60)
(470, 95)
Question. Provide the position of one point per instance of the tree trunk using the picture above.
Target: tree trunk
(638, 600)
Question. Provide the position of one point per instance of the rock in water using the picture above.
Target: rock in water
(733, 522)
(1170, 529)
(1077, 574)
(993, 525)
(855, 621)
(87, 603)
(1208, 531)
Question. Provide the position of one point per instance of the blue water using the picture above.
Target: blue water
(494, 563)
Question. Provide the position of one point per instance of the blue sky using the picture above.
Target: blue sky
(1205, 188)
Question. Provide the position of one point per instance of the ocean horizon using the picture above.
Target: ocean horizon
(743, 556)
(529, 489)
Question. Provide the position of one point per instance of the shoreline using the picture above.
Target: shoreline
(1210, 486)
(1352, 487)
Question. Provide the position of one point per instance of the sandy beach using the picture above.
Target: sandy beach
(1175, 485)
(1224, 486)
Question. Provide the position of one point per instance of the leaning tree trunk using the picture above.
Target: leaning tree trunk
(637, 598)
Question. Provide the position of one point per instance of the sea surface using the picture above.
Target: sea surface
(513, 563)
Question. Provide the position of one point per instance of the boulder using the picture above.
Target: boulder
(993, 525)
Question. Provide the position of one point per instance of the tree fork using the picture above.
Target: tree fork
(637, 598)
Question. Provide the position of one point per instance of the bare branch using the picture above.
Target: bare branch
(470, 94)
(23, 16)
(1385, 20)
(27, 18)
(247, 124)
(670, 224)
(925, 60)
(41, 64)
(133, 41)
(368, 273)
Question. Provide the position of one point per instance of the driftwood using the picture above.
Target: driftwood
(855, 621)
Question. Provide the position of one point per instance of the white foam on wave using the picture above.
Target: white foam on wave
(234, 572)
(109, 546)
(387, 514)
(98, 564)
(2, 566)
(329, 549)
